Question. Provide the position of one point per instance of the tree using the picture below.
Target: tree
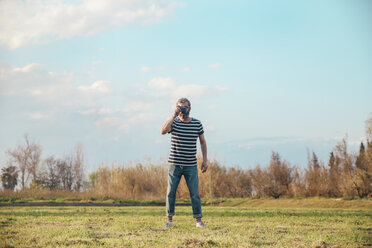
(316, 177)
(298, 187)
(334, 175)
(9, 177)
(52, 179)
(27, 158)
(93, 179)
(65, 173)
(33, 161)
(78, 166)
(278, 176)
(260, 181)
(362, 180)
(346, 172)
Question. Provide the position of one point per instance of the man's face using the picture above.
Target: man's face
(184, 104)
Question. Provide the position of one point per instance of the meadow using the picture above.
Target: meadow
(230, 223)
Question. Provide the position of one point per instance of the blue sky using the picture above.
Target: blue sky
(262, 76)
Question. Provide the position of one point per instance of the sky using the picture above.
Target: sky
(287, 76)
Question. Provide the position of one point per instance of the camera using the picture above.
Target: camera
(183, 109)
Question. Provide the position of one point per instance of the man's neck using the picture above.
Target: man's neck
(187, 119)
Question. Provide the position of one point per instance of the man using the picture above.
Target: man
(185, 131)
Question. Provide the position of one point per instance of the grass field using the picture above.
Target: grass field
(234, 223)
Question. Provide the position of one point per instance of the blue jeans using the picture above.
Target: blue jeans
(174, 176)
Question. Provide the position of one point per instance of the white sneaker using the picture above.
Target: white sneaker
(200, 224)
(168, 224)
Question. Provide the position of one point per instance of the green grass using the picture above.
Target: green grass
(240, 223)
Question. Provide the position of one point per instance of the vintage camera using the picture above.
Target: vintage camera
(183, 109)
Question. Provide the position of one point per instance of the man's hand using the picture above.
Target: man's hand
(204, 166)
(176, 112)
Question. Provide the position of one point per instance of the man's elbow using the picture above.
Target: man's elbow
(162, 131)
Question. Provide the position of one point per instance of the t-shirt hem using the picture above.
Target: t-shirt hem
(184, 165)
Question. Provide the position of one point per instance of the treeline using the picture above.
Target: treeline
(345, 174)
(26, 168)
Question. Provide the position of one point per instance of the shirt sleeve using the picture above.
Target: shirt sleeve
(201, 130)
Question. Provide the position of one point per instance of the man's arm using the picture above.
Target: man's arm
(167, 127)
(203, 145)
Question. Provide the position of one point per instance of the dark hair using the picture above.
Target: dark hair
(183, 100)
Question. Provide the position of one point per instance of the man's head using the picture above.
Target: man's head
(185, 107)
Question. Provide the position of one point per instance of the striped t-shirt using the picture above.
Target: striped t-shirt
(183, 144)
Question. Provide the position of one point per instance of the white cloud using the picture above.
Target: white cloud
(37, 92)
(124, 123)
(355, 141)
(124, 127)
(210, 128)
(33, 84)
(45, 92)
(32, 80)
(129, 109)
(161, 83)
(189, 90)
(94, 66)
(39, 115)
(28, 68)
(88, 112)
(97, 62)
(44, 21)
(221, 89)
(165, 87)
(245, 146)
(137, 106)
(214, 66)
(185, 69)
(249, 143)
(144, 69)
(99, 111)
(108, 122)
(141, 117)
(100, 86)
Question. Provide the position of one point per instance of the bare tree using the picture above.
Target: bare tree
(33, 161)
(279, 176)
(259, 181)
(27, 158)
(316, 177)
(298, 187)
(347, 168)
(53, 180)
(19, 157)
(334, 164)
(65, 173)
(78, 166)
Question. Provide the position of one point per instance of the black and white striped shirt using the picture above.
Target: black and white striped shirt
(183, 144)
